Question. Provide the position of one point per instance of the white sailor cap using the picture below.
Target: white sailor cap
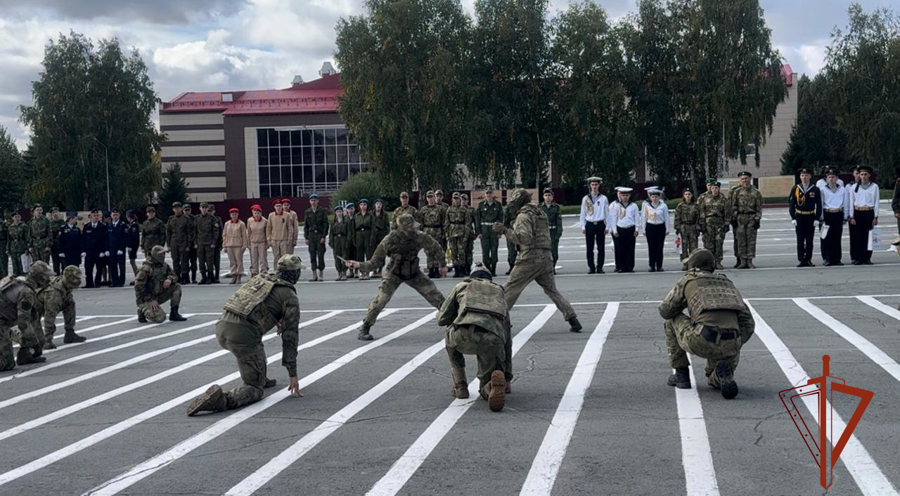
(653, 190)
(623, 189)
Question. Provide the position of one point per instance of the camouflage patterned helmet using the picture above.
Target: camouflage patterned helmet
(518, 199)
(289, 262)
(702, 259)
(41, 273)
(158, 254)
(407, 222)
(72, 276)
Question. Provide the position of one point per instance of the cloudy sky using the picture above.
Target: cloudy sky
(197, 45)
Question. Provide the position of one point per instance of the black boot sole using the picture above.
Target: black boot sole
(726, 379)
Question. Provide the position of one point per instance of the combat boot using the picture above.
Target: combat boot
(460, 384)
(49, 344)
(321, 275)
(364, 334)
(744, 265)
(141, 318)
(270, 383)
(750, 264)
(497, 396)
(315, 276)
(737, 265)
(24, 357)
(680, 379)
(71, 337)
(719, 266)
(726, 379)
(213, 400)
(574, 325)
(174, 316)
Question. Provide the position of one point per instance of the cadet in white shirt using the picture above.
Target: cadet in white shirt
(655, 225)
(624, 217)
(851, 227)
(834, 215)
(864, 197)
(594, 208)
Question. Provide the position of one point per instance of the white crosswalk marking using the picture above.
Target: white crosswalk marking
(696, 456)
(86, 330)
(407, 465)
(881, 307)
(865, 472)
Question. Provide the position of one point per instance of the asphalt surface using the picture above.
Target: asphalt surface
(589, 414)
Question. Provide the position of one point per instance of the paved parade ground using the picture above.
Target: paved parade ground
(589, 413)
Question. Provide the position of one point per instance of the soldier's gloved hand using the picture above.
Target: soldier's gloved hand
(794, 223)
(62, 255)
(499, 228)
(120, 252)
(756, 224)
(83, 255)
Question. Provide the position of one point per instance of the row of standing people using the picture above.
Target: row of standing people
(22, 243)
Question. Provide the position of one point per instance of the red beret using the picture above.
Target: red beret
(276, 201)
(233, 211)
(256, 207)
(286, 200)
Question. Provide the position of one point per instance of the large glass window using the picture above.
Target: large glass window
(294, 162)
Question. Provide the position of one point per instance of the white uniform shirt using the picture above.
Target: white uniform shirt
(822, 183)
(834, 199)
(623, 216)
(654, 215)
(864, 196)
(601, 207)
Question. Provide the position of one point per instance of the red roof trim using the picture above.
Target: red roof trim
(316, 96)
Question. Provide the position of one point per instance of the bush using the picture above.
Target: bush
(364, 185)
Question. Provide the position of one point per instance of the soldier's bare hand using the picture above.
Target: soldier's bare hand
(443, 271)
(479, 237)
(278, 325)
(875, 221)
(582, 231)
(167, 283)
(615, 235)
(636, 234)
(154, 305)
(322, 241)
(294, 387)
(897, 215)
(306, 241)
(852, 221)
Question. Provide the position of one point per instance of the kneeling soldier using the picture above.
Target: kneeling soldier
(264, 302)
(155, 284)
(19, 308)
(477, 321)
(718, 324)
(58, 298)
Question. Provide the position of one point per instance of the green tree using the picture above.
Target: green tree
(13, 169)
(174, 189)
(592, 129)
(815, 140)
(403, 72)
(364, 185)
(511, 108)
(89, 103)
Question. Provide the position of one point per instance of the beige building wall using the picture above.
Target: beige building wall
(202, 159)
(777, 141)
(192, 119)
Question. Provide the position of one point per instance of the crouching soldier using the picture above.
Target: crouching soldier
(19, 308)
(58, 298)
(155, 284)
(477, 321)
(264, 302)
(717, 325)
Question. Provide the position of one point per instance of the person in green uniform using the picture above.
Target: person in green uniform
(155, 284)
(153, 232)
(381, 227)
(714, 214)
(687, 225)
(349, 214)
(315, 234)
(179, 237)
(18, 244)
(192, 243)
(512, 251)
(20, 309)
(404, 208)
(554, 219)
(737, 252)
(488, 212)
(456, 228)
(473, 233)
(362, 223)
(746, 214)
(56, 225)
(4, 246)
(40, 237)
(265, 302)
(217, 252)
(433, 225)
(207, 235)
(439, 201)
(339, 241)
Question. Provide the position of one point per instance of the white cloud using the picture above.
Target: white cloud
(814, 56)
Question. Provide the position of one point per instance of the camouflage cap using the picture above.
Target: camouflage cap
(407, 222)
(158, 254)
(429, 193)
(204, 205)
(520, 194)
(456, 195)
(187, 206)
(711, 180)
(72, 276)
(211, 206)
(174, 205)
(481, 272)
(40, 272)
(404, 194)
(745, 174)
(54, 210)
(438, 192)
(464, 196)
(151, 210)
(289, 262)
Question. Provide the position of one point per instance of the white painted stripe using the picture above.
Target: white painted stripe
(862, 344)
(881, 307)
(134, 386)
(412, 459)
(105, 370)
(869, 478)
(124, 425)
(151, 466)
(545, 467)
(86, 330)
(696, 455)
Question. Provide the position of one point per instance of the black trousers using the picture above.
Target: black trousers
(624, 245)
(806, 231)
(831, 245)
(116, 269)
(656, 239)
(853, 255)
(595, 233)
(57, 261)
(859, 237)
(93, 262)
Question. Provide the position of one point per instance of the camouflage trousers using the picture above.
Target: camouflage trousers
(206, 255)
(745, 233)
(7, 357)
(714, 239)
(251, 362)
(682, 337)
(487, 347)
(158, 316)
(690, 237)
(458, 250)
(4, 263)
(539, 270)
(470, 250)
(389, 285)
(41, 253)
(52, 308)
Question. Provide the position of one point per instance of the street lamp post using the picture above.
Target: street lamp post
(106, 155)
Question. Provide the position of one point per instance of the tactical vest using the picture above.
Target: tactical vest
(541, 227)
(254, 292)
(10, 290)
(711, 292)
(484, 297)
(404, 253)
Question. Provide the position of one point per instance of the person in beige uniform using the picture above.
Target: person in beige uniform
(235, 239)
(295, 223)
(278, 231)
(259, 244)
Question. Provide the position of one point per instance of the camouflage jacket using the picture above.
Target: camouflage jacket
(339, 236)
(531, 233)
(153, 233)
(148, 283)
(18, 239)
(714, 211)
(746, 201)
(554, 219)
(403, 249)
(432, 218)
(449, 313)
(40, 233)
(676, 302)
(178, 232)
(458, 222)
(401, 210)
(207, 228)
(51, 300)
(687, 217)
(56, 226)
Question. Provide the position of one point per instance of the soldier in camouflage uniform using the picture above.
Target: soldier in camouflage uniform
(487, 213)
(155, 284)
(534, 263)
(439, 201)
(19, 308)
(509, 217)
(349, 214)
(56, 225)
(56, 298)
(192, 243)
(153, 232)
(208, 235)
(433, 225)
(746, 213)
(315, 234)
(18, 244)
(477, 322)
(714, 214)
(339, 241)
(402, 246)
(554, 220)
(217, 252)
(265, 302)
(179, 236)
(473, 233)
(4, 247)
(716, 327)
(687, 225)
(381, 227)
(404, 208)
(362, 224)
(456, 227)
(40, 235)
